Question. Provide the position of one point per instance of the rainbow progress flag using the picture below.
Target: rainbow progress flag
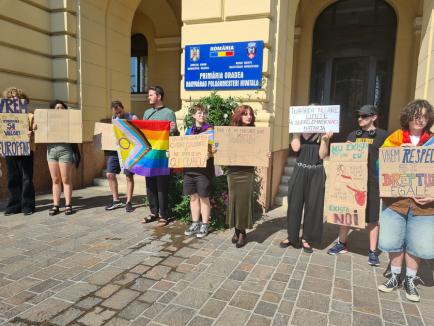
(142, 146)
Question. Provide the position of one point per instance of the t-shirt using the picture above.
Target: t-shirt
(375, 140)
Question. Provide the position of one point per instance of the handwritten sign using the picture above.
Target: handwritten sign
(312, 119)
(188, 151)
(407, 171)
(13, 105)
(245, 146)
(104, 137)
(14, 140)
(58, 126)
(346, 184)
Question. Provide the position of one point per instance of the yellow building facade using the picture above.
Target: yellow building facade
(80, 51)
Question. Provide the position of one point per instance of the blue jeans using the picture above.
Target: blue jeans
(413, 234)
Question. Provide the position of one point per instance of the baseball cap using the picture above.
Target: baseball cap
(367, 110)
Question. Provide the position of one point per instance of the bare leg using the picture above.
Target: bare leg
(411, 261)
(205, 209)
(195, 207)
(343, 233)
(373, 229)
(113, 184)
(66, 173)
(130, 187)
(396, 259)
(56, 182)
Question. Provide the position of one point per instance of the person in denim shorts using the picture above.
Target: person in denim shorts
(60, 163)
(113, 166)
(407, 224)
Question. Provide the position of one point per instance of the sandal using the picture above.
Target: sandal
(162, 222)
(68, 210)
(148, 219)
(53, 210)
(306, 247)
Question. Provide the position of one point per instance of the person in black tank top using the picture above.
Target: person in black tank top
(306, 191)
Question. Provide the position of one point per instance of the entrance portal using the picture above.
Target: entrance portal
(352, 59)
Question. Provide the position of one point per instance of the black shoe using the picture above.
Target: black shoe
(129, 207)
(410, 288)
(28, 212)
(8, 213)
(242, 240)
(392, 283)
(306, 247)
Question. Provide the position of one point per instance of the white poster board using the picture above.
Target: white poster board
(314, 119)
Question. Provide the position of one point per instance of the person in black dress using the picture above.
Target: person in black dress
(306, 190)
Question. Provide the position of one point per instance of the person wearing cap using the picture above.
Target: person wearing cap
(367, 117)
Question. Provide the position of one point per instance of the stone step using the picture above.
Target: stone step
(288, 170)
(281, 201)
(283, 189)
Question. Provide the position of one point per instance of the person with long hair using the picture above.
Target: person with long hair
(407, 224)
(240, 185)
(306, 190)
(60, 158)
(197, 181)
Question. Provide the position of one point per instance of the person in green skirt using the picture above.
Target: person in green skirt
(240, 185)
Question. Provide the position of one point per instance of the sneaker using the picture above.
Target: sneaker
(203, 231)
(129, 207)
(373, 259)
(410, 288)
(115, 204)
(193, 229)
(338, 248)
(391, 284)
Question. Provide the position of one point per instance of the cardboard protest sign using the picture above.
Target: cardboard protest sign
(314, 119)
(13, 105)
(104, 137)
(188, 151)
(407, 171)
(346, 184)
(14, 140)
(246, 146)
(58, 126)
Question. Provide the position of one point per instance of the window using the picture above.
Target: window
(139, 64)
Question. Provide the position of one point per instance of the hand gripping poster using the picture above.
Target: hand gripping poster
(346, 184)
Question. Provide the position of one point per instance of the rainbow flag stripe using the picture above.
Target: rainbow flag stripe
(142, 146)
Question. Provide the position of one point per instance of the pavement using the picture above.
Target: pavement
(105, 268)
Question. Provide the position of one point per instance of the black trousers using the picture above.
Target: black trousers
(20, 183)
(157, 190)
(306, 190)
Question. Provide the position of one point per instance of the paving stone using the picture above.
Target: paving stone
(232, 316)
(294, 284)
(321, 272)
(318, 286)
(286, 307)
(175, 315)
(308, 318)
(180, 286)
(275, 286)
(133, 310)
(410, 309)
(140, 269)
(339, 319)
(265, 308)
(256, 320)
(393, 317)
(254, 285)
(342, 295)
(76, 291)
(343, 307)
(280, 320)
(104, 276)
(361, 319)
(191, 297)
(238, 275)
(142, 284)
(163, 285)
(116, 321)
(67, 317)
(45, 285)
(45, 310)
(186, 252)
(366, 300)
(150, 296)
(291, 294)
(20, 298)
(88, 303)
(125, 278)
(107, 291)
(261, 272)
(391, 305)
(153, 310)
(223, 294)
(245, 300)
(167, 297)
(222, 267)
(97, 316)
(120, 299)
(271, 297)
(313, 301)
(200, 321)
(342, 283)
(208, 282)
(141, 321)
(212, 308)
(158, 272)
(414, 321)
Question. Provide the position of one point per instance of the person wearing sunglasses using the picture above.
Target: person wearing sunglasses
(367, 118)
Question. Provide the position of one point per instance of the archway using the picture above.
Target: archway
(352, 58)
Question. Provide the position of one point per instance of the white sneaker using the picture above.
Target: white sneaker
(203, 231)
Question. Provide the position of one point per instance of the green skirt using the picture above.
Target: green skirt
(240, 206)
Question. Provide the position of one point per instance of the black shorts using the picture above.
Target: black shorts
(113, 166)
(197, 184)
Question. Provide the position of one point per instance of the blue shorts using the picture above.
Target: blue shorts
(413, 234)
(113, 166)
